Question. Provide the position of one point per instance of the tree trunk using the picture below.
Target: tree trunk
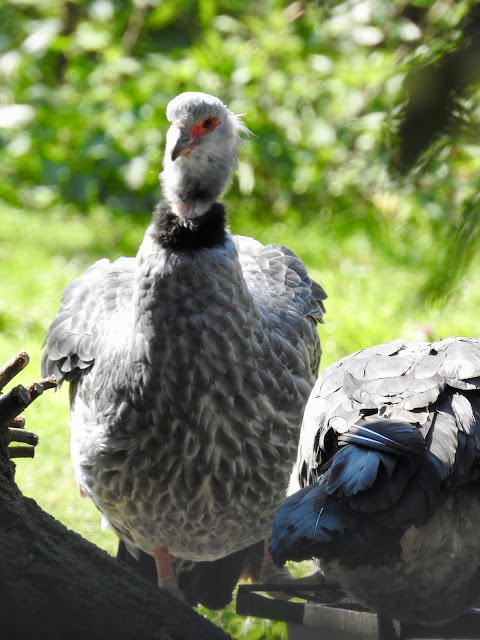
(55, 584)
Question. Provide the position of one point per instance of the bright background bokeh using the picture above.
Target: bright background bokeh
(83, 91)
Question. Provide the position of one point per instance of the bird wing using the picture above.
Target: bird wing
(91, 302)
(290, 300)
(415, 382)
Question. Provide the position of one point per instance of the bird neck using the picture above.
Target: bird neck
(193, 183)
(178, 233)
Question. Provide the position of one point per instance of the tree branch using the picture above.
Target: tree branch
(11, 368)
(53, 583)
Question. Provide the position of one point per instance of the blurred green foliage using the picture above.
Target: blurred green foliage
(84, 86)
(83, 91)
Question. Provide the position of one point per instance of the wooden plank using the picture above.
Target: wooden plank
(344, 620)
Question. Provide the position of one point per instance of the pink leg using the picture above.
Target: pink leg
(166, 577)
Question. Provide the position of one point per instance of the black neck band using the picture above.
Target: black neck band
(188, 234)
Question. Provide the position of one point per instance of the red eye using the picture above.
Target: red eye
(203, 127)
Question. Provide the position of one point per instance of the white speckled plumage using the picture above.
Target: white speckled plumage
(189, 367)
(397, 528)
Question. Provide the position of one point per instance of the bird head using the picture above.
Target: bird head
(200, 153)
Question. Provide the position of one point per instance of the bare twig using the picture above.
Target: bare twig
(16, 400)
(36, 389)
(21, 452)
(13, 403)
(48, 383)
(11, 368)
(20, 435)
(12, 424)
(18, 422)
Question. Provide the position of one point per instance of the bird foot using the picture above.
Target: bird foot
(329, 590)
(170, 584)
(271, 574)
(314, 584)
(277, 574)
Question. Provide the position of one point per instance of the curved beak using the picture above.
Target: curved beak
(181, 140)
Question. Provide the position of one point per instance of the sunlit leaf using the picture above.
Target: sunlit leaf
(15, 115)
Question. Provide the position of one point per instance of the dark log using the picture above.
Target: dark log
(55, 584)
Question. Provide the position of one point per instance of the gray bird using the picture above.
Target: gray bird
(189, 369)
(385, 490)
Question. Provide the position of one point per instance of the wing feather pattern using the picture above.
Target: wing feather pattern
(93, 299)
(289, 298)
(389, 433)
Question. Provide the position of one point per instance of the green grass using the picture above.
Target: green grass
(371, 300)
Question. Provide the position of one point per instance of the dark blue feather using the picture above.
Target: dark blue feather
(353, 469)
(373, 488)
(303, 530)
(385, 435)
